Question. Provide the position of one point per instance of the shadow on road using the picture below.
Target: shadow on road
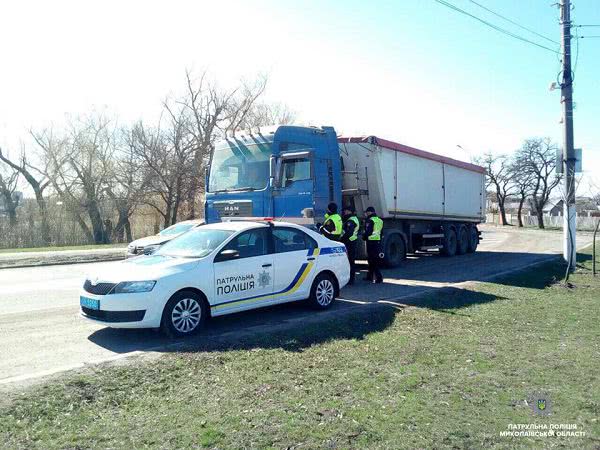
(292, 326)
(295, 326)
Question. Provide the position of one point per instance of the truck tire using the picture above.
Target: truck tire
(473, 239)
(462, 244)
(394, 251)
(450, 243)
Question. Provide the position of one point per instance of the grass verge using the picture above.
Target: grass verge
(451, 371)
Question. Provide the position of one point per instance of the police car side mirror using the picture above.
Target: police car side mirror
(227, 255)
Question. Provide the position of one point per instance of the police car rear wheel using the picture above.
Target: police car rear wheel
(184, 314)
(323, 291)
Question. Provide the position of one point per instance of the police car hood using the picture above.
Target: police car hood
(143, 268)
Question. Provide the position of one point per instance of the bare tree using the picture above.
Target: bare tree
(537, 159)
(9, 179)
(214, 112)
(523, 187)
(39, 182)
(265, 114)
(79, 165)
(128, 185)
(500, 178)
(167, 155)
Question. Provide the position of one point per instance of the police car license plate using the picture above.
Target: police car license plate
(89, 303)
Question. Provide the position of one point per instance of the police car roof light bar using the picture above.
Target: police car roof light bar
(268, 220)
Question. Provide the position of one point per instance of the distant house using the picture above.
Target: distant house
(554, 208)
(586, 207)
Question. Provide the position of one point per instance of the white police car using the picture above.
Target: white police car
(213, 270)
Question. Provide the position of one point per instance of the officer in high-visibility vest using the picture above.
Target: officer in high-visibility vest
(333, 226)
(372, 234)
(351, 229)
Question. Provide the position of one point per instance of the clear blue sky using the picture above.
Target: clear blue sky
(493, 88)
(413, 71)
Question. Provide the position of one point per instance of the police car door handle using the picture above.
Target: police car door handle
(267, 265)
(310, 259)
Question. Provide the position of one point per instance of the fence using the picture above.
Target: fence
(583, 223)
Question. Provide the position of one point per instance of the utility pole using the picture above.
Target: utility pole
(568, 151)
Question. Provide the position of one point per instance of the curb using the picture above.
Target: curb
(61, 263)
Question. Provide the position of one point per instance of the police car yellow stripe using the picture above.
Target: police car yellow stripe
(293, 287)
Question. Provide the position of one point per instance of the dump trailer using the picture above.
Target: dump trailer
(427, 201)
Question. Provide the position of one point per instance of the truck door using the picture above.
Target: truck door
(294, 183)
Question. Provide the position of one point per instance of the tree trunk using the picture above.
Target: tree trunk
(86, 230)
(503, 220)
(540, 217)
(41, 202)
(97, 225)
(520, 211)
(128, 231)
(10, 205)
(119, 230)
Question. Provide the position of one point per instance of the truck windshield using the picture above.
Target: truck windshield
(238, 166)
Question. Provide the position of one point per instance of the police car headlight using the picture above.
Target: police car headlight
(130, 287)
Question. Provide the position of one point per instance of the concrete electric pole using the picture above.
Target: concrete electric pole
(568, 151)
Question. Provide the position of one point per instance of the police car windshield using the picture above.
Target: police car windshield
(237, 165)
(197, 243)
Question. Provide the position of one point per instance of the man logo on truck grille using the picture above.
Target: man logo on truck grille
(264, 279)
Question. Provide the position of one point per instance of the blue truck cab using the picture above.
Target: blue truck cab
(289, 173)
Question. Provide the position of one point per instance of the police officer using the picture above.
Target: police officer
(332, 228)
(372, 234)
(351, 229)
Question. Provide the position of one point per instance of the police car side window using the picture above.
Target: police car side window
(249, 243)
(291, 240)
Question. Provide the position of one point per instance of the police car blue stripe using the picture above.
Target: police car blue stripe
(291, 285)
(331, 250)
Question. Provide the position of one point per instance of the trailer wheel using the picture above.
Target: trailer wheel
(473, 239)
(450, 243)
(394, 251)
(462, 246)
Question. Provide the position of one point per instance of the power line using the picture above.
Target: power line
(495, 27)
(589, 37)
(579, 26)
(515, 23)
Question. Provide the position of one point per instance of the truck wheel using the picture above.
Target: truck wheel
(184, 314)
(450, 243)
(395, 250)
(473, 239)
(463, 240)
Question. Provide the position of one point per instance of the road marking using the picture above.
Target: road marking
(358, 302)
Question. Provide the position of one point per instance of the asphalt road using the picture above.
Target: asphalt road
(41, 333)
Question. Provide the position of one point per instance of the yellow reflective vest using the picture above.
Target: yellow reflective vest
(356, 228)
(377, 227)
(336, 219)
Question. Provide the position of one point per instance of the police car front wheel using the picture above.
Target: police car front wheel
(184, 314)
(323, 291)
